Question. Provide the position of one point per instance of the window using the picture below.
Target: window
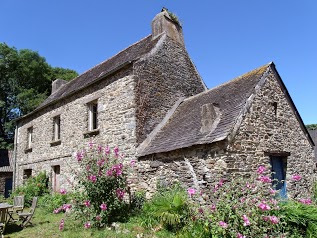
(29, 138)
(56, 128)
(279, 167)
(27, 173)
(92, 116)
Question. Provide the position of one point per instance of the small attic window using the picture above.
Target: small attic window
(209, 117)
(274, 104)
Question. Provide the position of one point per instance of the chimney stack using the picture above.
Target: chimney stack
(57, 84)
(168, 23)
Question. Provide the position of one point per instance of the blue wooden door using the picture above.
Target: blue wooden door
(279, 174)
(8, 187)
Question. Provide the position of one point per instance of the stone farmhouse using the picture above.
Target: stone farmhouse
(150, 101)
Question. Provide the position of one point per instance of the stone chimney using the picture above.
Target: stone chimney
(168, 23)
(57, 84)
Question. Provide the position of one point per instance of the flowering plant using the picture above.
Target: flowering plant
(103, 179)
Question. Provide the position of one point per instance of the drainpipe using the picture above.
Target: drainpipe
(15, 156)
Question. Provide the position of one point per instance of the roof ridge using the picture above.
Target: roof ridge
(230, 81)
(111, 57)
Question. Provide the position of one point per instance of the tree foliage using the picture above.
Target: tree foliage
(311, 127)
(25, 82)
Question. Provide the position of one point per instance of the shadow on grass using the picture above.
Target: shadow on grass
(12, 228)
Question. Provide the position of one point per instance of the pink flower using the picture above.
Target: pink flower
(264, 206)
(98, 218)
(296, 177)
(305, 201)
(246, 220)
(218, 185)
(272, 191)
(272, 219)
(103, 207)
(101, 162)
(261, 169)
(200, 210)
(92, 178)
(120, 193)
(99, 149)
(63, 191)
(191, 191)
(66, 207)
(80, 156)
(223, 224)
(87, 203)
(213, 207)
(116, 151)
(264, 179)
(87, 225)
(91, 144)
(109, 173)
(132, 163)
(239, 235)
(107, 150)
(61, 225)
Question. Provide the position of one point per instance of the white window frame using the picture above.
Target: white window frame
(29, 137)
(92, 115)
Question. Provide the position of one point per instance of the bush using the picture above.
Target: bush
(33, 187)
(54, 202)
(103, 179)
(168, 207)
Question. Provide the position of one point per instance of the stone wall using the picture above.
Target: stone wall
(269, 126)
(116, 126)
(164, 75)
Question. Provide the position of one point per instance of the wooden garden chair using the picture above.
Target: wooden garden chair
(26, 217)
(18, 206)
(3, 220)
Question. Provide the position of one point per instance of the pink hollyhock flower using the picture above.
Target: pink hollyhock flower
(200, 210)
(101, 162)
(87, 225)
(87, 203)
(272, 191)
(246, 220)
(107, 150)
(61, 225)
(120, 193)
(103, 207)
(91, 144)
(296, 177)
(223, 224)
(63, 191)
(109, 173)
(132, 163)
(98, 218)
(261, 169)
(239, 235)
(116, 151)
(79, 156)
(66, 207)
(219, 185)
(264, 206)
(213, 207)
(305, 201)
(273, 219)
(264, 179)
(92, 178)
(99, 149)
(191, 191)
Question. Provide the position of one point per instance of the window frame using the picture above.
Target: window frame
(57, 128)
(29, 141)
(92, 115)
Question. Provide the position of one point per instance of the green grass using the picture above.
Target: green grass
(47, 225)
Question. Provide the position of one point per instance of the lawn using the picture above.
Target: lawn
(47, 225)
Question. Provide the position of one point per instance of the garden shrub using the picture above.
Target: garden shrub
(33, 187)
(55, 202)
(103, 179)
(168, 207)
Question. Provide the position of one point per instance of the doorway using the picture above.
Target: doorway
(279, 167)
(56, 178)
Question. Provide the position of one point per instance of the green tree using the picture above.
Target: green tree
(25, 82)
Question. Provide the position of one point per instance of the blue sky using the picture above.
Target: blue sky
(224, 38)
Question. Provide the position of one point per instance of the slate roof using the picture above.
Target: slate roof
(183, 127)
(94, 74)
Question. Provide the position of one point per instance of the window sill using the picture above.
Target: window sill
(91, 133)
(28, 150)
(55, 143)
